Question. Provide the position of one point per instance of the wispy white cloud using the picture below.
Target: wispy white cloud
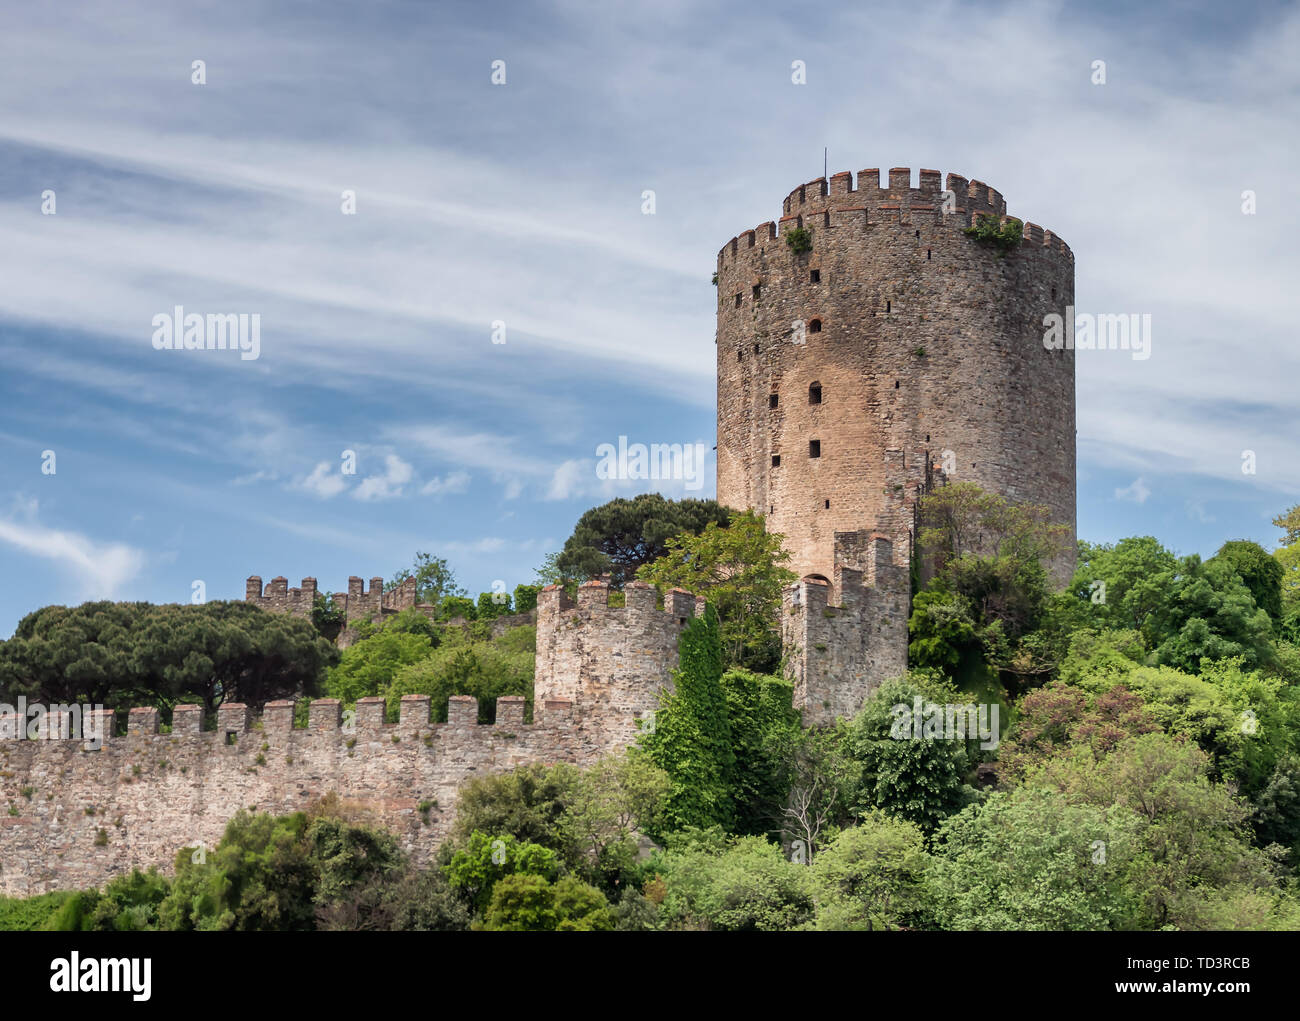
(325, 481)
(453, 482)
(99, 569)
(1136, 491)
(388, 485)
(1197, 512)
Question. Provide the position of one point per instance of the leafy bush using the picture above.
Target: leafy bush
(368, 667)
(484, 669)
(799, 239)
(1002, 236)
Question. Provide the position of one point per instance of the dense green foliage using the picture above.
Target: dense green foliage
(1186, 610)
(410, 655)
(1002, 236)
(461, 666)
(369, 666)
(741, 569)
(1258, 571)
(691, 739)
(618, 537)
(128, 654)
(1145, 774)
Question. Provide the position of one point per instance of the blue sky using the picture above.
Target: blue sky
(522, 203)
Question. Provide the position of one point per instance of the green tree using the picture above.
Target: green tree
(124, 654)
(990, 588)
(369, 667)
(621, 536)
(128, 903)
(1210, 614)
(1211, 710)
(1288, 557)
(1028, 859)
(528, 903)
(820, 779)
(1258, 571)
(409, 622)
(1277, 808)
(31, 914)
(1125, 583)
(941, 629)
(88, 652)
(1186, 610)
(744, 884)
(452, 607)
(871, 876)
(277, 872)
(345, 856)
(742, 570)
(550, 573)
(1191, 842)
(528, 803)
(483, 860)
(434, 580)
(611, 801)
(922, 781)
(233, 652)
(526, 597)
(484, 669)
(258, 877)
(492, 605)
(408, 900)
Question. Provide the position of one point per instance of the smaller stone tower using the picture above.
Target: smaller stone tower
(839, 654)
(608, 662)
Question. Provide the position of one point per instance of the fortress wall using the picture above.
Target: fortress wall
(151, 794)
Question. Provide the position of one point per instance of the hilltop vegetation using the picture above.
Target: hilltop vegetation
(1145, 774)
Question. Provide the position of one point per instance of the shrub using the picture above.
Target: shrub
(799, 239)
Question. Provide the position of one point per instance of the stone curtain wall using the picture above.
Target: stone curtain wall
(839, 653)
(82, 815)
(151, 794)
(610, 662)
(929, 341)
(357, 603)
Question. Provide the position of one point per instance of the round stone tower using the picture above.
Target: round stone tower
(893, 348)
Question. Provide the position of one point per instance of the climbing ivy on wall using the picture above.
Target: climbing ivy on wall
(691, 739)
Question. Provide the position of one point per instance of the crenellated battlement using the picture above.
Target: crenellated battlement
(847, 208)
(90, 803)
(326, 716)
(842, 640)
(640, 602)
(357, 603)
(366, 604)
(279, 598)
(609, 662)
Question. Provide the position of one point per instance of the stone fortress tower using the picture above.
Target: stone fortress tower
(896, 353)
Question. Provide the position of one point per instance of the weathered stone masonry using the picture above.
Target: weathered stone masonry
(895, 339)
(599, 673)
(837, 652)
(897, 354)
